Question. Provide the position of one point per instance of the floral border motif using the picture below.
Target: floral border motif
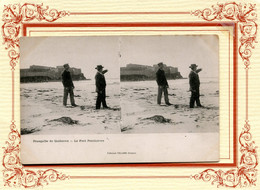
(14, 173)
(15, 15)
(245, 15)
(245, 174)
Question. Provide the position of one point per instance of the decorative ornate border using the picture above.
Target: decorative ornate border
(14, 174)
(245, 16)
(15, 15)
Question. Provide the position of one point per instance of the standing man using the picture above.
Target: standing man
(162, 85)
(194, 86)
(101, 87)
(68, 86)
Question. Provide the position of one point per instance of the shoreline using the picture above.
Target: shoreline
(50, 81)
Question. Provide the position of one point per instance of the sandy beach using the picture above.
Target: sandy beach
(134, 109)
(141, 114)
(42, 111)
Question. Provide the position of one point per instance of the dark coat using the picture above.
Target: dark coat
(100, 82)
(160, 78)
(66, 79)
(194, 80)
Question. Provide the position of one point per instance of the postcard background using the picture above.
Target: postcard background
(147, 147)
(102, 182)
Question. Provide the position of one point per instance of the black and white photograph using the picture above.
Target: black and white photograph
(170, 84)
(69, 85)
(119, 99)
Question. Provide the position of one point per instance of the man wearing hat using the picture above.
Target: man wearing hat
(100, 87)
(68, 86)
(162, 85)
(194, 86)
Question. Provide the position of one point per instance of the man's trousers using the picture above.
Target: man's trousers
(68, 90)
(195, 97)
(164, 90)
(101, 98)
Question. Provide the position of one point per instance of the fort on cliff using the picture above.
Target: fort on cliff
(37, 73)
(135, 72)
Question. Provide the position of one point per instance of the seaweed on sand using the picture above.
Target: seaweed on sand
(66, 120)
(25, 131)
(158, 119)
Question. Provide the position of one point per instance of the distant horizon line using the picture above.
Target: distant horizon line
(76, 65)
(167, 79)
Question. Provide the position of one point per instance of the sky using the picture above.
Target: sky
(178, 51)
(80, 52)
(115, 51)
